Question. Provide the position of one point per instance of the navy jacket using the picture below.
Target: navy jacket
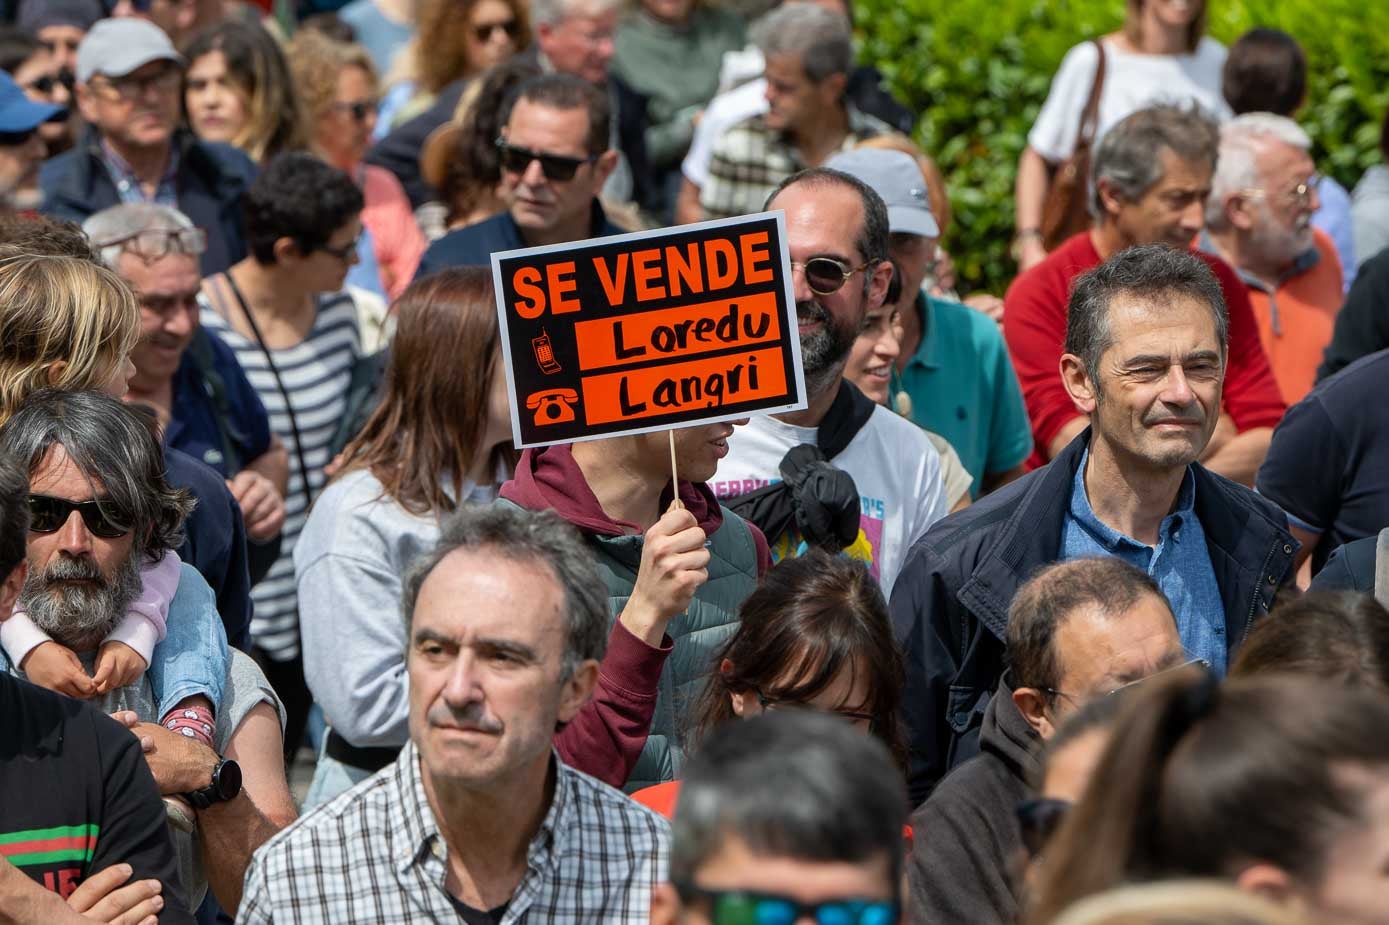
(212, 180)
(214, 542)
(950, 603)
(474, 245)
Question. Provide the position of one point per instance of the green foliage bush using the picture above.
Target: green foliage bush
(977, 71)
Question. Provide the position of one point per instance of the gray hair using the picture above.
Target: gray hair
(1242, 140)
(1153, 272)
(122, 222)
(789, 784)
(109, 441)
(819, 38)
(1127, 156)
(538, 537)
(553, 12)
(14, 514)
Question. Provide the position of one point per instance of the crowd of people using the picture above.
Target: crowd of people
(1060, 608)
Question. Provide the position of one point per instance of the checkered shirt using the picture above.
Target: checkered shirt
(374, 854)
(751, 159)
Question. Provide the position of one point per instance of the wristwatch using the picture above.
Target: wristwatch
(226, 785)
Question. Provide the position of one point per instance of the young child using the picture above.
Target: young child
(187, 698)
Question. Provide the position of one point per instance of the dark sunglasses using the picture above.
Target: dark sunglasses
(103, 519)
(825, 275)
(358, 110)
(49, 82)
(740, 907)
(484, 32)
(15, 139)
(345, 252)
(1039, 819)
(555, 166)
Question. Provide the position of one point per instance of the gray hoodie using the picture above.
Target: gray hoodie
(1369, 213)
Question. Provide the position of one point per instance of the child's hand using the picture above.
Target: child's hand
(116, 666)
(57, 668)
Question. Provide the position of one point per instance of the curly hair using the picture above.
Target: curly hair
(439, 53)
(257, 68)
(110, 442)
(298, 196)
(60, 309)
(315, 61)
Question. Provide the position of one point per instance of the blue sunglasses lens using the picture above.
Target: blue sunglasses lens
(742, 909)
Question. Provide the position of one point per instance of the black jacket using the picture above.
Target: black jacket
(1362, 324)
(967, 845)
(212, 180)
(950, 603)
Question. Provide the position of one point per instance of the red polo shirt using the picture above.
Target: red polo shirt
(1034, 324)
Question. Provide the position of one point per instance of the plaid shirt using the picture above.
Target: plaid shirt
(375, 854)
(128, 184)
(751, 159)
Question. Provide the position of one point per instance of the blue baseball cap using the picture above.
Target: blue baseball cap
(18, 113)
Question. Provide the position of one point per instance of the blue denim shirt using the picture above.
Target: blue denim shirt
(1179, 563)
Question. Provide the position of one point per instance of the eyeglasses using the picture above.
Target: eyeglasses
(1077, 700)
(743, 907)
(344, 253)
(825, 275)
(154, 244)
(485, 31)
(132, 88)
(555, 166)
(1039, 819)
(1299, 195)
(358, 110)
(48, 514)
(771, 703)
(15, 139)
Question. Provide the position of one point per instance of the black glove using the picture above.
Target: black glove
(824, 499)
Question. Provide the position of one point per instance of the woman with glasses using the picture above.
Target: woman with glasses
(337, 87)
(815, 635)
(454, 41)
(237, 90)
(1279, 785)
(295, 334)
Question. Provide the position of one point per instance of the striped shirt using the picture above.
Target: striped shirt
(316, 373)
(375, 854)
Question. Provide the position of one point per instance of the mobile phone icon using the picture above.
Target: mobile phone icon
(545, 353)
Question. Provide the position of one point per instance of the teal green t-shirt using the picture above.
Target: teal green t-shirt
(962, 386)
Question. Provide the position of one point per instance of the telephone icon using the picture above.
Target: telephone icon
(545, 353)
(552, 406)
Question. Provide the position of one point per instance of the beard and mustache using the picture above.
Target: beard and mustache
(824, 351)
(75, 604)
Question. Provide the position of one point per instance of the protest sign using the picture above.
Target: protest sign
(648, 331)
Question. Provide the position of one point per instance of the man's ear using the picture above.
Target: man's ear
(1266, 880)
(1078, 384)
(603, 168)
(578, 689)
(1032, 704)
(1239, 211)
(832, 87)
(10, 588)
(1110, 200)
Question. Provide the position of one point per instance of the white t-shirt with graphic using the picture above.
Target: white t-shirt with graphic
(1131, 82)
(892, 462)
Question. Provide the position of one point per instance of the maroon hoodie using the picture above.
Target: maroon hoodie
(606, 737)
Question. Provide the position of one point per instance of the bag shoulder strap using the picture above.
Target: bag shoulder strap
(1090, 116)
(1382, 567)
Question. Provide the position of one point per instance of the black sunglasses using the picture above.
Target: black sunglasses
(484, 32)
(1039, 819)
(48, 514)
(48, 82)
(555, 166)
(825, 275)
(742, 907)
(358, 110)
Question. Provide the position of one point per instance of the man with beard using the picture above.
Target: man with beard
(837, 234)
(99, 506)
(1144, 359)
(1150, 179)
(1259, 218)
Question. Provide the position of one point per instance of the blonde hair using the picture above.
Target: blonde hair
(1177, 902)
(935, 182)
(60, 310)
(315, 61)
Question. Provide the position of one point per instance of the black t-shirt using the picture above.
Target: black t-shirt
(77, 797)
(1328, 465)
(1362, 324)
(479, 916)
